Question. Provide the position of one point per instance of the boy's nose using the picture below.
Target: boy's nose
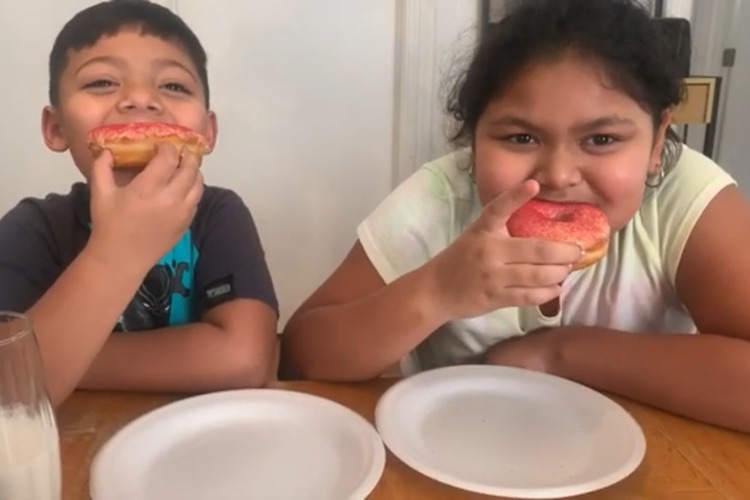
(139, 99)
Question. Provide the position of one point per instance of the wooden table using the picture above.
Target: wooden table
(685, 460)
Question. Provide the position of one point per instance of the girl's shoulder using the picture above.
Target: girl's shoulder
(453, 172)
(693, 168)
(670, 211)
(688, 184)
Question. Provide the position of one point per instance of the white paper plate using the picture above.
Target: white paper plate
(509, 432)
(241, 445)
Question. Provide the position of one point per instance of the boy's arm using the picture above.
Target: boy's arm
(233, 345)
(74, 312)
(59, 304)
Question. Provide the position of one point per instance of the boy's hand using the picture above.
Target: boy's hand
(138, 223)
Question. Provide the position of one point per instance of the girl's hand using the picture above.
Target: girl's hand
(536, 351)
(486, 269)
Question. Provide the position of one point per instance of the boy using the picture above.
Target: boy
(175, 267)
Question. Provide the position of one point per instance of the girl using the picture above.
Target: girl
(566, 100)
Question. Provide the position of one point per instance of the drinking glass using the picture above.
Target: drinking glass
(30, 466)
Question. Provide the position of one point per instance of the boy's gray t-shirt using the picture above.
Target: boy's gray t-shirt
(219, 258)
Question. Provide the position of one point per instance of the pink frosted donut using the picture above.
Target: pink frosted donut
(579, 223)
(133, 145)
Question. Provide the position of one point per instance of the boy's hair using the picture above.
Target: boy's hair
(618, 34)
(109, 18)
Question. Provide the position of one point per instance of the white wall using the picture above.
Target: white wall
(305, 92)
(27, 167)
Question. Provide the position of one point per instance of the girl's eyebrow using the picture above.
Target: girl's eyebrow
(605, 121)
(514, 121)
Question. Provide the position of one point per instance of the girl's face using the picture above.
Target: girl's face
(562, 124)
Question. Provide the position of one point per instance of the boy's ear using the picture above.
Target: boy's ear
(52, 131)
(212, 130)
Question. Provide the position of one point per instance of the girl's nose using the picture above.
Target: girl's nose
(558, 170)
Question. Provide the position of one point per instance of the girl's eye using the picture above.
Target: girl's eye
(520, 139)
(602, 140)
(176, 87)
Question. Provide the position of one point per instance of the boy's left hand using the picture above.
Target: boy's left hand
(535, 350)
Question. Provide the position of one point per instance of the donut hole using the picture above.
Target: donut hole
(565, 216)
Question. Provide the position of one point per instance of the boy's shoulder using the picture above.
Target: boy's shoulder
(45, 231)
(72, 208)
(217, 204)
(62, 219)
(54, 212)
(220, 210)
(215, 197)
(53, 204)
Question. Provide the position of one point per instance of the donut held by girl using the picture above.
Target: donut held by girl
(580, 223)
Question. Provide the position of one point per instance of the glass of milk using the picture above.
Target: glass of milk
(30, 466)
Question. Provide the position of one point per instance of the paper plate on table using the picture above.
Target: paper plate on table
(239, 445)
(509, 432)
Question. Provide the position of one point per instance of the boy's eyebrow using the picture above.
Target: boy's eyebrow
(100, 59)
(172, 63)
(605, 121)
(157, 63)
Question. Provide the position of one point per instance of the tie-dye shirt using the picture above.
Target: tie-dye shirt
(631, 289)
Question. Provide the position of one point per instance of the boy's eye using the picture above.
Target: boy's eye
(176, 87)
(98, 84)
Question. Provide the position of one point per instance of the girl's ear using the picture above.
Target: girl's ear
(659, 140)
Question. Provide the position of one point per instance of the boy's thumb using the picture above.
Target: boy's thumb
(101, 177)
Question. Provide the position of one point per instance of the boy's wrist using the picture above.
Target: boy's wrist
(115, 263)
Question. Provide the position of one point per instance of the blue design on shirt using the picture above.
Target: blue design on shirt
(167, 295)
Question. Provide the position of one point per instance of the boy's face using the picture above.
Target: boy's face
(125, 78)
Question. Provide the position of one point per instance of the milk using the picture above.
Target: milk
(29, 458)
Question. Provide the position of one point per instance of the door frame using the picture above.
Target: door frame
(429, 35)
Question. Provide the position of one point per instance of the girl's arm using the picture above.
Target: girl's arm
(704, 376)
(354, 326)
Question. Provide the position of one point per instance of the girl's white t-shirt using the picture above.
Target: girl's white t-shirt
(631, 289)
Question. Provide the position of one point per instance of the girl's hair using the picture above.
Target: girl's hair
(618, 34)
